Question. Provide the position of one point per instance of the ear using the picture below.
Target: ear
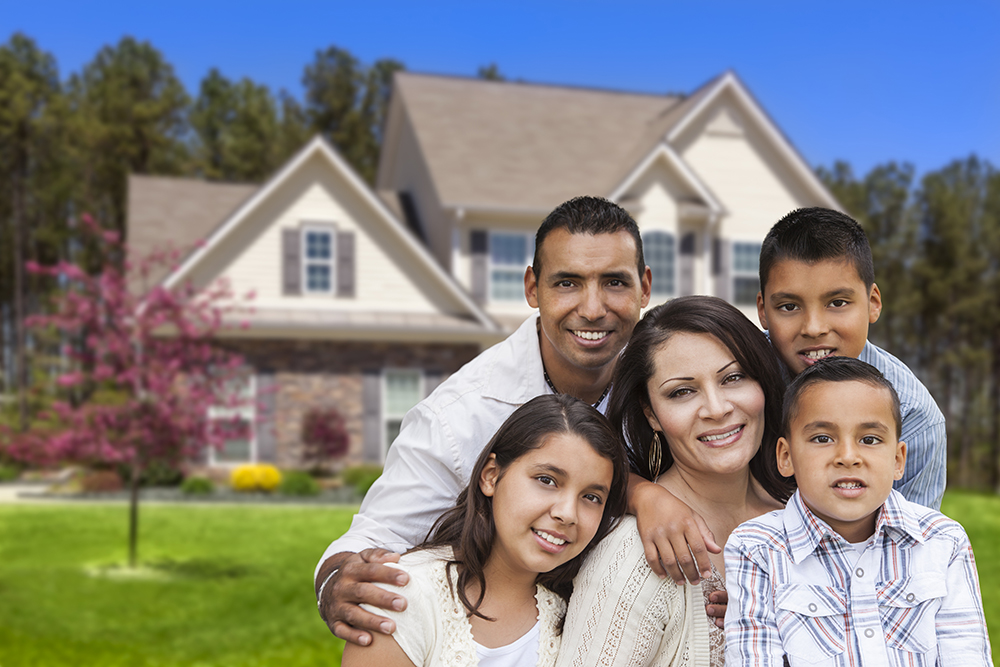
(784, 455)
(531, 287)
(761, 314)
(647, 286)
(900, 460)
(489, 476)
(874, 304)
(654, 423)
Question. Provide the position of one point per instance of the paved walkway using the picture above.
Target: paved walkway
(10, 492)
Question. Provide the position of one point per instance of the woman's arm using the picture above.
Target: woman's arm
(383, 651)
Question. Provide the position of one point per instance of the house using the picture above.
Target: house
(367, 298)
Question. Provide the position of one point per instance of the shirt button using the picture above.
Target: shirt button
(869, 633)
(859, 573)
(812, 606)
(910, 597)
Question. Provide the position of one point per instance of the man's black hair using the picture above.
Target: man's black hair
(589, 215)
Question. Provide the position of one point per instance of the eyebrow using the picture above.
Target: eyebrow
(831, 425)
(687, 379)
(624, 276)
(840, 291)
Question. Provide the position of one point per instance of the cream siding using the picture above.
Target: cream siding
(250, 257)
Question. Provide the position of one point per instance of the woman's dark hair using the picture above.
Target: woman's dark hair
(469, 529)
(748, 344)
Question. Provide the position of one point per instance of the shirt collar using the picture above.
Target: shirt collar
(806, 532)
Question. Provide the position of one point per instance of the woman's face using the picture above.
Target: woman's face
(710, 411)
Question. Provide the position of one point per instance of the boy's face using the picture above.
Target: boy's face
(842, 448)
(816, 310)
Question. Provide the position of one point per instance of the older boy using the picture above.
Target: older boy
(850, 572)
(818, 296)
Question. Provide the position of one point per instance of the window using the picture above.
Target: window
(317, 260)
(241, 445)
(746, 282)
(402, 390)
(661, 256)
(510, 254)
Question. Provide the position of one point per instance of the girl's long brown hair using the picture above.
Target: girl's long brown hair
(469, 529)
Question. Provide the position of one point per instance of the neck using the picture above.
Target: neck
(505, 584)
(713, 494)
(586, 384)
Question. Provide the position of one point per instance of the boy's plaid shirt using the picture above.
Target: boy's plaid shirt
(911, 598)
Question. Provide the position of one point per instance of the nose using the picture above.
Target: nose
(848, 454)
(815, 324)
(716, 404)
(563, 509)
(592, 306)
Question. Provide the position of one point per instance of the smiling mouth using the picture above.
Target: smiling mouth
(721, 436)
(849, 485)
(552, 539)
(815, 355)
(591, 335)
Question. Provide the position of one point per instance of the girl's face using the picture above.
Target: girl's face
(547, 504)
(710, 411)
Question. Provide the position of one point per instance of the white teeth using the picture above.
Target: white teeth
(550, 538)
(848, 485)
(591, 335)
(817, 354)
(713, 438)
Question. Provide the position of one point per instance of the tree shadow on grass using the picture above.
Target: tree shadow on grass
(171, 568)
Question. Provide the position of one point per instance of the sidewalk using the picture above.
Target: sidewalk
(10, 492)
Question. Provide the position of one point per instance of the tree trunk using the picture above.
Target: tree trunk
(133, 513)
(20, 361)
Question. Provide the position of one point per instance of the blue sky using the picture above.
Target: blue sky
(866, 82)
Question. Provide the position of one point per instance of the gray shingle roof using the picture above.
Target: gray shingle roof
(497, 144)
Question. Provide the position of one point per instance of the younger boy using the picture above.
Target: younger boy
(817, 297)
(850, 572)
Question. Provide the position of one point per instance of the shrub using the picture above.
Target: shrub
(324, 436)
(256, 477)
(9, 473)
(298, 483)
(197, 486)
(361, 477)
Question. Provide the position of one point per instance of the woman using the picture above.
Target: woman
(489, 586)
(697, 393)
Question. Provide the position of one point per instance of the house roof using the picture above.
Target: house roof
(546, 143)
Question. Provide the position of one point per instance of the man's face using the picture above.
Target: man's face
(816, 310)
(842, 449)
(589, 296)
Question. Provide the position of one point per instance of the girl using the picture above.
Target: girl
(489, 586)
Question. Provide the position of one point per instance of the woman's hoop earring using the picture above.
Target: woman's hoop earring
(655, 455)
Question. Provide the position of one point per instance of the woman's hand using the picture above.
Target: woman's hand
(675, 538)
(352, 585)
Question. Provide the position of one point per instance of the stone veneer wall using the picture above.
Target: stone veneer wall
(312, 374)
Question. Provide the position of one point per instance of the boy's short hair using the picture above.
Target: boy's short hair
(837, 369)
(813, 235)
(588, 215)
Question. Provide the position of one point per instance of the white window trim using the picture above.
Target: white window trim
(384, 415)
(303, 235)
(734, 273)
(677, 261)
(490, 266)
(247, 411)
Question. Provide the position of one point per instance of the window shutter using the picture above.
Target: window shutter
(267, 399)
(480, 264)
(345, 264)
(686, 265)
(371, 410)
(722, 264)
(291, 262)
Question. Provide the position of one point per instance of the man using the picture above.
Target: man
(589, 282)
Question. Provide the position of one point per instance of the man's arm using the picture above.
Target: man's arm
(419, 483)
(751, 626)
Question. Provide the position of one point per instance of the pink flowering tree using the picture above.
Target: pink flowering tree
(324, 436)
(155, 348)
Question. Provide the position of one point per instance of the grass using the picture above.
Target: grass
(222, 586)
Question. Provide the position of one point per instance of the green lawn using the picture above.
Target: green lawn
(234, 586)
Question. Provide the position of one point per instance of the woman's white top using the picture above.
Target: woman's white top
(434, 628)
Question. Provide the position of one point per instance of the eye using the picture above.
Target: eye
(871, 440)
(822, 439)
(564, 283)
(787, 307)
(546, 480)
(594, 498)
(839, 303)
(733, 377)
(617, 283)
(680, 391)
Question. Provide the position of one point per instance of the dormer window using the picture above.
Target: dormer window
(317, 260)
